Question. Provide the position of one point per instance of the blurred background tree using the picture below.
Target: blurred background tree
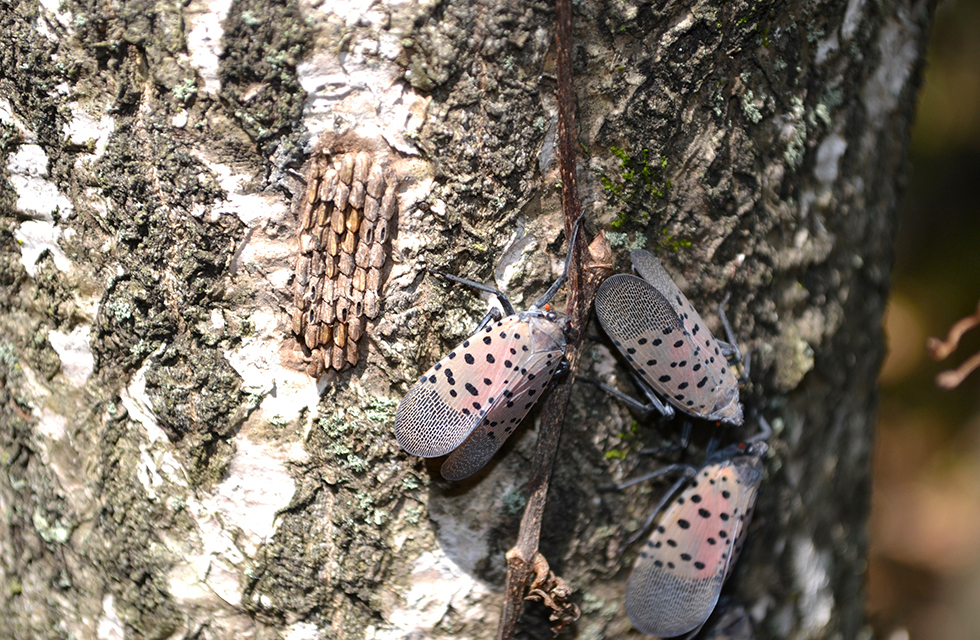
(925, 556)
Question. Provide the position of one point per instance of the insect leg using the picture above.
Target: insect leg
(646, 477)
(553, 289)
(504, 302)
(665, 409)
(680, 446)
(746, 365)
(689, 472)
(493, 315)
(654, 405)
(766, 430)
(729, 349)
(712, 443)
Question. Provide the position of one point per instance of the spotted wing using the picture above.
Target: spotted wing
(728, 408)
(453, 397)
(653, 272)
(679, 573)
(505, 415)
(676, 356)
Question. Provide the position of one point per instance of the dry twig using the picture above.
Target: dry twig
(590, 266)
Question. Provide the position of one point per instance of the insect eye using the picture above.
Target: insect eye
(547, 307)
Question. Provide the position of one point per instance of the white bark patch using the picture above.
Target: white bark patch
(110, 626)
(250, 208)
(258, 485)
(412, 237)
(513, 257)
(84, 130)
(224, 579)
(157, 459)
(75, 351)
(204, 20)
(438, 584)
(138, 404)
(828, 157)
(465, 522)
(231, 525)
(852, 18)
(258, 362)
(51, 425)
(147, 473)
(37, 197)
(826, 47)
(7, 117)
(897, 46)
(816, 601)
(302, 631)
(604, 363)
(37, 237)
(52, 11)
(360, 90)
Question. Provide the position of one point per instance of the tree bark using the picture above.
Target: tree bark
(169, 468)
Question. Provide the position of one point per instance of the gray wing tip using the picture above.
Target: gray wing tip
(455, 474)
(611, 283)
(643, 259)
(644, 615)
(415, 448)
(411, 437)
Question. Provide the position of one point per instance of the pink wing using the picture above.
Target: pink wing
(501, 420)
(673, 352)
(678, 575)
(494, 373)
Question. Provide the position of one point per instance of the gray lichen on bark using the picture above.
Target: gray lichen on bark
(761, 153)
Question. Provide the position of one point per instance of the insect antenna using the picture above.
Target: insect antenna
(553, 289)
(504, 302)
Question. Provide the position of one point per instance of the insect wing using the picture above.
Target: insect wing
(481, 376)
(672, 353)
(678, 575)
(727, 407)
(653, 272)
(508, 411)
(450, 400)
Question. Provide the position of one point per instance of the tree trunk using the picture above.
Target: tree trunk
(170, 468)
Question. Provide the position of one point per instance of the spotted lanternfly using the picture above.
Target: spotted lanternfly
(663, 337)
(679, 573)
(469, 402)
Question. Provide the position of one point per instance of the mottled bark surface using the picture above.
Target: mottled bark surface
(169, 470)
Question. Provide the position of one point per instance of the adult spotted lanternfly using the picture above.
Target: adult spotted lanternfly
(663, 337)
(469, 402)
(679, 573)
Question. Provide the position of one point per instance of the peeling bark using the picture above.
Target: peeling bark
(169, 469)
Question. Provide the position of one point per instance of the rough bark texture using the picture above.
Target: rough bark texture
(169, 470)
